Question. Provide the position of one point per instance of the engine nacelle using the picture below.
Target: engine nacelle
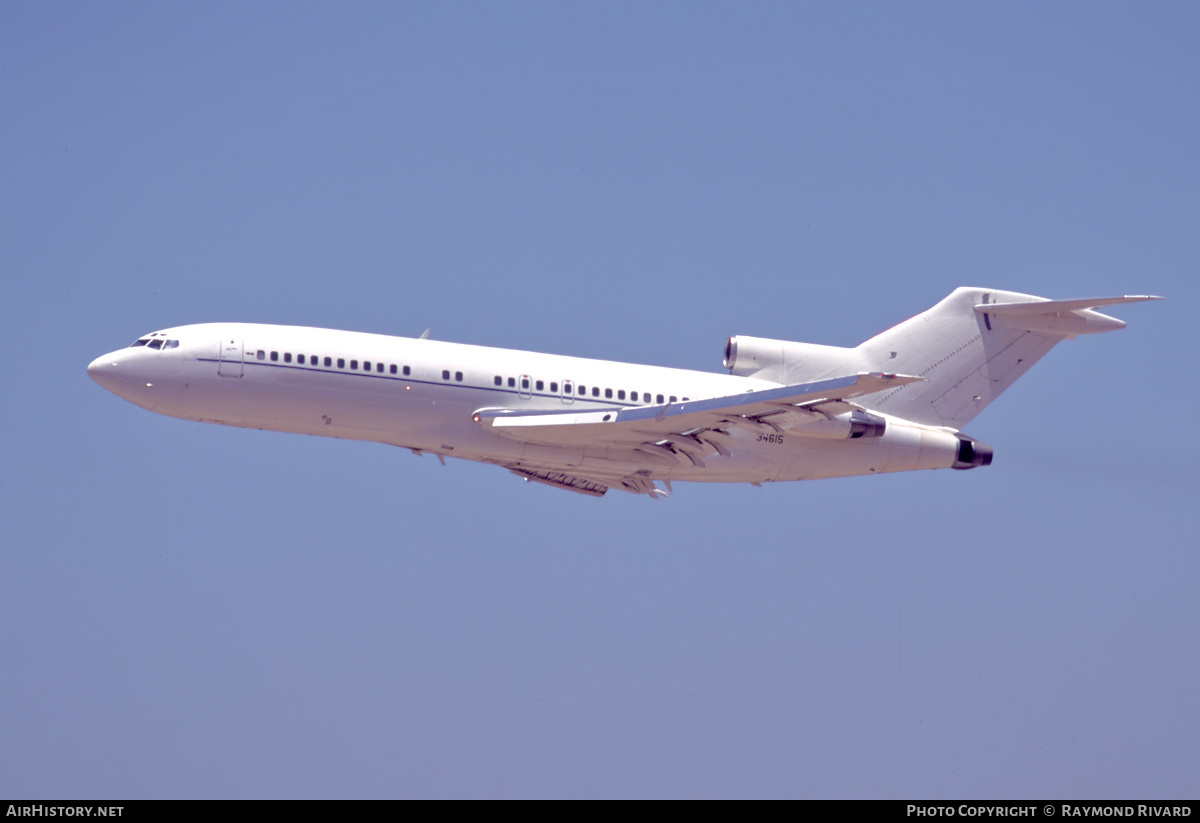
(849, 426)
(786, 362)
(972, 453)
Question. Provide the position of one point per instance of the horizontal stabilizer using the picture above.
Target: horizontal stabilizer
(1057, 306)
(1059, 318)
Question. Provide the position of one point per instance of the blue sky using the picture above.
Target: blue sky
(199, 611)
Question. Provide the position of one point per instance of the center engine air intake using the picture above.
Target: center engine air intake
(786, 362)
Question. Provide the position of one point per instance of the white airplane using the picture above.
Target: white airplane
(786, 411)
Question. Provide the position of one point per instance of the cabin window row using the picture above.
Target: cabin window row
(529, 385)
(316, 360)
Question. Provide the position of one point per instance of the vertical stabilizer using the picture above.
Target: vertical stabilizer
(972, 346)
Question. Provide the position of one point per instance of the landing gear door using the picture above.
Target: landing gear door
(230, 347)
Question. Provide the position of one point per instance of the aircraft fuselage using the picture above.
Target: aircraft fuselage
(424, 395)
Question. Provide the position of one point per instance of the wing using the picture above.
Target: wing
(689, 431)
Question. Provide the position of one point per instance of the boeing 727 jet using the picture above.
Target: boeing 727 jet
(785, 411)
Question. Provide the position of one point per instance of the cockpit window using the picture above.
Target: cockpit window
(156, 341)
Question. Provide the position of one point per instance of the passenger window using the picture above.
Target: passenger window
(608, 393)
(407, 371)
(658, 398)
(341, 362)
(596, 391)
(672, 398)
(511, 383)
(525, 383)
(620, 394)
(366, 365)
(328, 362)
(287, 357)
(646, 397)
(497, 380)
(582, 391)
(458, 376)
(274, 357)
(539, 385)
(392, 369)
(553, 387)
(445, 374)
(262, 355)
(354, 364)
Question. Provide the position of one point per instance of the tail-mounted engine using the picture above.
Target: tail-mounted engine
(785, 361)
(972, 453)
(849, 426)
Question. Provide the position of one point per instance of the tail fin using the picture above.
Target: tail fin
(970, 347)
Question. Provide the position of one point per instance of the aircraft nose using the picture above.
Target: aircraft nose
(105, 370)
